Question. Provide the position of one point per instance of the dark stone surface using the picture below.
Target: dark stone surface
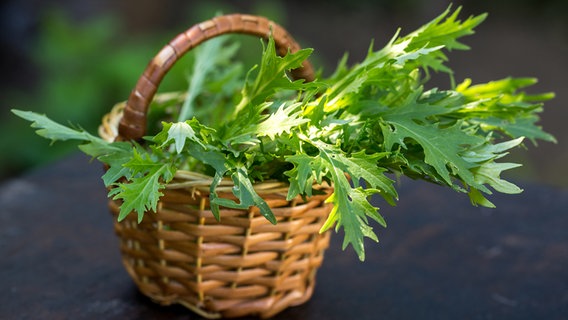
(439, 258)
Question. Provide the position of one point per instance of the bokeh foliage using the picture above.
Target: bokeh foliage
(83, 68)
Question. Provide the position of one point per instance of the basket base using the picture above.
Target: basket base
(239, 266)
(263, 308)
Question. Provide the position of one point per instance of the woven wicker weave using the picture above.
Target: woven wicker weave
(242, 264)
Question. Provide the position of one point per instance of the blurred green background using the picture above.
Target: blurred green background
(72, 60)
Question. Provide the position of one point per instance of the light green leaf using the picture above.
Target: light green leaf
(488, 151)
(477, 198)
(499, 106)
(180, 132)
(445, 30)
(521, 127)
(361, 166)
(52, 130)
(490, 172)
(365, 166)
(285, 119)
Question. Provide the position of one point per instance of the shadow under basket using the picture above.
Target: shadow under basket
(240, 265)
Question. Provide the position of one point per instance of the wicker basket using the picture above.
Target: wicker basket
(242, 264)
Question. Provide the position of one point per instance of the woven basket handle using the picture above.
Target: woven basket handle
(133, 123)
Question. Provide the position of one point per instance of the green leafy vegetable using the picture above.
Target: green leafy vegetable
(142, 193)
(357, 129)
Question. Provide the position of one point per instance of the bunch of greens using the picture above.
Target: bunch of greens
(355, 130)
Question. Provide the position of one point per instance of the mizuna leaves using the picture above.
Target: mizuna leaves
(356, 129)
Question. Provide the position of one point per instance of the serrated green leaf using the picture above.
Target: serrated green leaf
(362, 166)
(498, 106)
(388, 66)
(114, 154)
(180, 132)
(522, 127)
(142, 192)
(52, 130)
(488, 151)
(272, 76)
(107, 152)
(301, 176)
(477, 198)
(490, 172)
(285, 119)
(140, 162)
(494, 88)
(116, 169)
(442, 146)
(445, 30)
(351, 206)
